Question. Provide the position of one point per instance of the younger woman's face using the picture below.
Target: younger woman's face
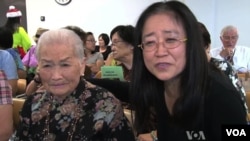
(101, 42)
(90, 43)
(164, 63)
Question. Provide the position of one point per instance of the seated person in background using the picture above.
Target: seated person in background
(6, 42)
(29, 60)
(122, 37)
(8, 65)
(223, 65)
(35, 84)
(238, 56)
(6, 119)
(69, 107)
(94, 59)
(83, 36)
(104, 48)
(21, 42)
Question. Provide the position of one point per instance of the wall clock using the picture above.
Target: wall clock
(63, 2)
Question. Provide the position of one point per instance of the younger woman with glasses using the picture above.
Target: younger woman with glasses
(94, 59)
(171, 76)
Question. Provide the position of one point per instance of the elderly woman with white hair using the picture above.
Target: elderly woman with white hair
(69, 108)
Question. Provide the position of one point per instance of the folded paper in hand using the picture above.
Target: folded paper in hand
(112, 72)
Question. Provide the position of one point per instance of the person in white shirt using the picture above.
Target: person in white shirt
(238, 56)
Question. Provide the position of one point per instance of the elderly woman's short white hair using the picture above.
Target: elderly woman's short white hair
(61, 37)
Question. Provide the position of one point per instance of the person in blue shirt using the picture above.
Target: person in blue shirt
(8, 65)
(6, 42)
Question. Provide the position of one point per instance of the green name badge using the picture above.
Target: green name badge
(112, 72)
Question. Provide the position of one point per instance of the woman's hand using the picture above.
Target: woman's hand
(145, 137)
(148, 136)
(227, 52)
(37, 78)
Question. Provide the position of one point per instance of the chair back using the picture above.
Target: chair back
(21, 86)
(17, 107)
(245, 80)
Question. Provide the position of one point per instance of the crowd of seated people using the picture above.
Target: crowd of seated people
(121, 53)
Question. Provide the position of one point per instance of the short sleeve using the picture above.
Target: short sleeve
(8, 65)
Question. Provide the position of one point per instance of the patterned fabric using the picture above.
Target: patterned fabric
(229, 71)
(5, 90)
(101, 116)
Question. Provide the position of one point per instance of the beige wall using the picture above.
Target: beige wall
(92, 15)
(102, 15)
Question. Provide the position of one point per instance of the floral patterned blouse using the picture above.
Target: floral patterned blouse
(228, 70)
(100, 117)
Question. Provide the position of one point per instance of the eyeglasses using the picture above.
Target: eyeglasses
(93, 41)
(169, 43)
(115, 43)
(228, 38)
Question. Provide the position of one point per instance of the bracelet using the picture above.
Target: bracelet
(37, 81)
(152, 133)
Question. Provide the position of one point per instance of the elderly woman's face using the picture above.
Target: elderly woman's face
(120, 48)
(162, 33)
(59, 69)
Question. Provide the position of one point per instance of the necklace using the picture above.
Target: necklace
(51, 137)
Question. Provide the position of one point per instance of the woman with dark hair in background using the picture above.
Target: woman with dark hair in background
(103, 47)
(94, 59)
(22, 41)
(123, 40)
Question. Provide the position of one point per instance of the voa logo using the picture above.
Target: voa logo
(193, 135)
(236, 132)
